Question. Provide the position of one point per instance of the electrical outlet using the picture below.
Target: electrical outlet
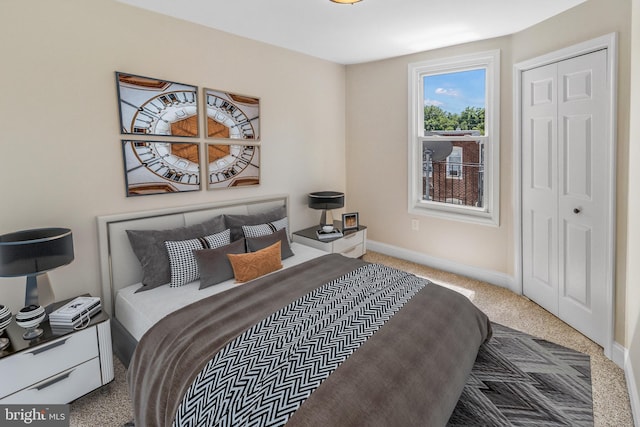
(415, 224)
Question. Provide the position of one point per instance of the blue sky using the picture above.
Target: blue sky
(453, 92)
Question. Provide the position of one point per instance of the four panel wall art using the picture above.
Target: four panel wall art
(154, 112)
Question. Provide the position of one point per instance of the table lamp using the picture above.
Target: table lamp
(326, 200)
(32, 253)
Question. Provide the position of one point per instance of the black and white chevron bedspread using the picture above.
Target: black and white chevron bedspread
(264, 375)
(333, 341)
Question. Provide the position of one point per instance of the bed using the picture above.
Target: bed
(326, 340)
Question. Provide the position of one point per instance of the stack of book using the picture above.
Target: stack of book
(74, 314)
(322, 235)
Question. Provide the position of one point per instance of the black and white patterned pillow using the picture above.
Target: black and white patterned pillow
(184, 267)
(265, 229)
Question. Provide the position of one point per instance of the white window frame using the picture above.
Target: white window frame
(490, 213)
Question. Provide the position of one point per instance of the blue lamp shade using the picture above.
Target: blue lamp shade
(33, 252)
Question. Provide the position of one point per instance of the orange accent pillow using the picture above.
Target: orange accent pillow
(255, 264)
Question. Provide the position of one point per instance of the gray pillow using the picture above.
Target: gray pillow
(235, 222)
(149, 247)
(213, 264)
(256, 243)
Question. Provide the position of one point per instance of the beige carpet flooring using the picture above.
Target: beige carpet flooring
(111, 406)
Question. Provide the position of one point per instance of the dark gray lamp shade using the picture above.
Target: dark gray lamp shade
(326, 200)
(33, 252)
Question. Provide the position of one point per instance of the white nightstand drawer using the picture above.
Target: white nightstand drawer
(348, 241)
(354, 252)
(44, 361)
(61, 388)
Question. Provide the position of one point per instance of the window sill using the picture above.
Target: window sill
(454, 213)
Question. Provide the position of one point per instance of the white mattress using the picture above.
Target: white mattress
(138, 312)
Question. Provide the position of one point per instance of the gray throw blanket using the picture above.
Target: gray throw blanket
(382, 366)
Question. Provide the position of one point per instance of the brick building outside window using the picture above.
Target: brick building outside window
(458, 179)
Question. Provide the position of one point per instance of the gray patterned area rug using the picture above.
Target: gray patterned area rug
(521, 380)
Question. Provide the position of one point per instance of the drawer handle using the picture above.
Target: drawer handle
(350, 236)
(53, 381)
(49, 347)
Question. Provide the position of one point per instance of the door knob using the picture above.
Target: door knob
(576, 210)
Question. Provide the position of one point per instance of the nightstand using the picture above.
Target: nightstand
(57, 367)
(353, 244)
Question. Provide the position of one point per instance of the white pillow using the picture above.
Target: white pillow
(184, 267)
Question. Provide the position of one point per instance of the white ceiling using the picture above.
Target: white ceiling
(365, 31)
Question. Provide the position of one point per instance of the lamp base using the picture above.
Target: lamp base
(326, 218)
(32, 333)
(4, 343)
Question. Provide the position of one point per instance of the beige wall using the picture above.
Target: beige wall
(61, 161)
(377, 126)
(377, 144)
(633, 252)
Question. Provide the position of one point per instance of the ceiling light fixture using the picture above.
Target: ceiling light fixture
(346, 1)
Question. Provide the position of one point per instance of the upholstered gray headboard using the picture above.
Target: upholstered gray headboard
(119, 266)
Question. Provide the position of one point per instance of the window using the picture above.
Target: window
(454, 163)
(453, 138)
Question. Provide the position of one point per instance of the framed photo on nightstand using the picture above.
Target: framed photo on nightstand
(350, 221)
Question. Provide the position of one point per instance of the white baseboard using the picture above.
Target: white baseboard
(618, 354)
(632, 387)
(489, 276)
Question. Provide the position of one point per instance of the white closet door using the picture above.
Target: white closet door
(540, 186)
(565, 190)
